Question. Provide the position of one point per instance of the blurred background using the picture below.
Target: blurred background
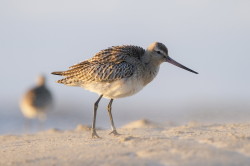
(210, 37)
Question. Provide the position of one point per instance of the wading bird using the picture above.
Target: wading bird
(117, 72)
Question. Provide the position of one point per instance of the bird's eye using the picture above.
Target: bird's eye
(158, 52)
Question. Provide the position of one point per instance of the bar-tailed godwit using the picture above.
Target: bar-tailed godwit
(117, 72)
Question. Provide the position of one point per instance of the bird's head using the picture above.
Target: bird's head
(40, 81)
(159, 54)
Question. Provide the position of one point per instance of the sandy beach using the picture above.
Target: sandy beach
(141, 143)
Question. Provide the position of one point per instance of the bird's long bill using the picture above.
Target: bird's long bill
(170, 60)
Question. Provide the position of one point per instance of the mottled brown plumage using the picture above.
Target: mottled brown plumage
(108, 65)
(116, 72)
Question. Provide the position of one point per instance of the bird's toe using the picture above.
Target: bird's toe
(114, 132)
(94, 134)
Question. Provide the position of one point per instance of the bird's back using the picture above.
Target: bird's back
(117, 54)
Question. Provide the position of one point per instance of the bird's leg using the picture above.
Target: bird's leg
(114, 132)
(93, 131)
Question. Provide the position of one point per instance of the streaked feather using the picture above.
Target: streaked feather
(106, 66)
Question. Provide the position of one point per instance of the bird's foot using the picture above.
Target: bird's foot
(114, 132)
(94, 134)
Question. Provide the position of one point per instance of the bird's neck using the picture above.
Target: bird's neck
(151, 68)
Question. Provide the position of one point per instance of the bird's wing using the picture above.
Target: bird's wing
(97, 72)
(107, 65)
(38, 97)
(43, 97)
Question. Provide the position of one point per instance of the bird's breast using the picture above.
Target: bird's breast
(117, 89)
(149, 74)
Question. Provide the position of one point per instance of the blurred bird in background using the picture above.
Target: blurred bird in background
(37, 101)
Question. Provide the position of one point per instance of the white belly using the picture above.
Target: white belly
(117, 89)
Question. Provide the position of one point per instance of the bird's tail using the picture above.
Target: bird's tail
(69, 80)
(57, 73)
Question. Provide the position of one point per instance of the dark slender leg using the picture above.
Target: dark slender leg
(111, 118)
(93, 131)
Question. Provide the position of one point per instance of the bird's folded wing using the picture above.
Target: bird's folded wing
(100, 72)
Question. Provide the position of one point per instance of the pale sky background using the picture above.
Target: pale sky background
(211, 37)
